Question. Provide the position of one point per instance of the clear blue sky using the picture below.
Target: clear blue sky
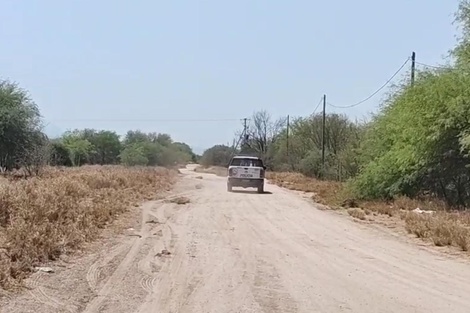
(130, 61)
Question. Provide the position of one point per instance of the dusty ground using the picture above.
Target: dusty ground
(245, 252)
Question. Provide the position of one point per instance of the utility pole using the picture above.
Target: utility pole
(413, 67)
(323, 133)
(287, 139)
(244, 129)
(244, 134)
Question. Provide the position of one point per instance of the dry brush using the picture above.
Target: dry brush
(443, 227)
(44, 217)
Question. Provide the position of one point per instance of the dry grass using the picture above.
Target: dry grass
(216, 170)
(42, 218)
(325, 192)
(357, 213)
(336, 194)
(443, 228)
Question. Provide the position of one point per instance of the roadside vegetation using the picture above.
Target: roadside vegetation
(57, 194)
(412, 153)
(44, 217)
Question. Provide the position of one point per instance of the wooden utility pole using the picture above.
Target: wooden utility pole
(244, 131)
(413, 67)
(244, 135)
(323, 133)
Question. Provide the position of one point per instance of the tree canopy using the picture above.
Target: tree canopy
(20, 125)
(24, 145)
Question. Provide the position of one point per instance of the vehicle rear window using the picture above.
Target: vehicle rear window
(247, 162)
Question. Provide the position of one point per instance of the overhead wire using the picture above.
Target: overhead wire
(143, 120)
(233, 119)
(448, 68)
(453, 69)
(375, 92)
(318, 105)
(434, 66)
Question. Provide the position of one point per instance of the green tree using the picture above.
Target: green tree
(159, 149)
(416, 144)
(133, 155)
(218, 155)
(20, 126)
(164, 140)
(79, 149)
(106, 147)
(342, 138)
(135, 136)
(59, 154)
(36, 155)
(153, 152)
(185, 150)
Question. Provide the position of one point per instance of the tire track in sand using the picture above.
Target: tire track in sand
(93, 273)
(118, 275)
(38, 292)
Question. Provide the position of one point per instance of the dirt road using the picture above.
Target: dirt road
(246, 252)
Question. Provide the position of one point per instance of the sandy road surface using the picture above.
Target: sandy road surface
(245, 252)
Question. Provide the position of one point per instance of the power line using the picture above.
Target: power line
(318, 105)
(142, 120)
(243, 136)
(446, 68)
(434, 66)
(375, 92)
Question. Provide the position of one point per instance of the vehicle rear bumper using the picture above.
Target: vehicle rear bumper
(244, 182)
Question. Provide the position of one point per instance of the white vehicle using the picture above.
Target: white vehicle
(245, 172)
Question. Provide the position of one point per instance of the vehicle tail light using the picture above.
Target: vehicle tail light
(261, 173)
(232, 172)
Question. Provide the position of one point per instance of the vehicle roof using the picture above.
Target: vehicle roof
(246, 157)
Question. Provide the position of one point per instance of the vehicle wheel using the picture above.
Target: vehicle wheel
(229, 187)
(261, 189)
